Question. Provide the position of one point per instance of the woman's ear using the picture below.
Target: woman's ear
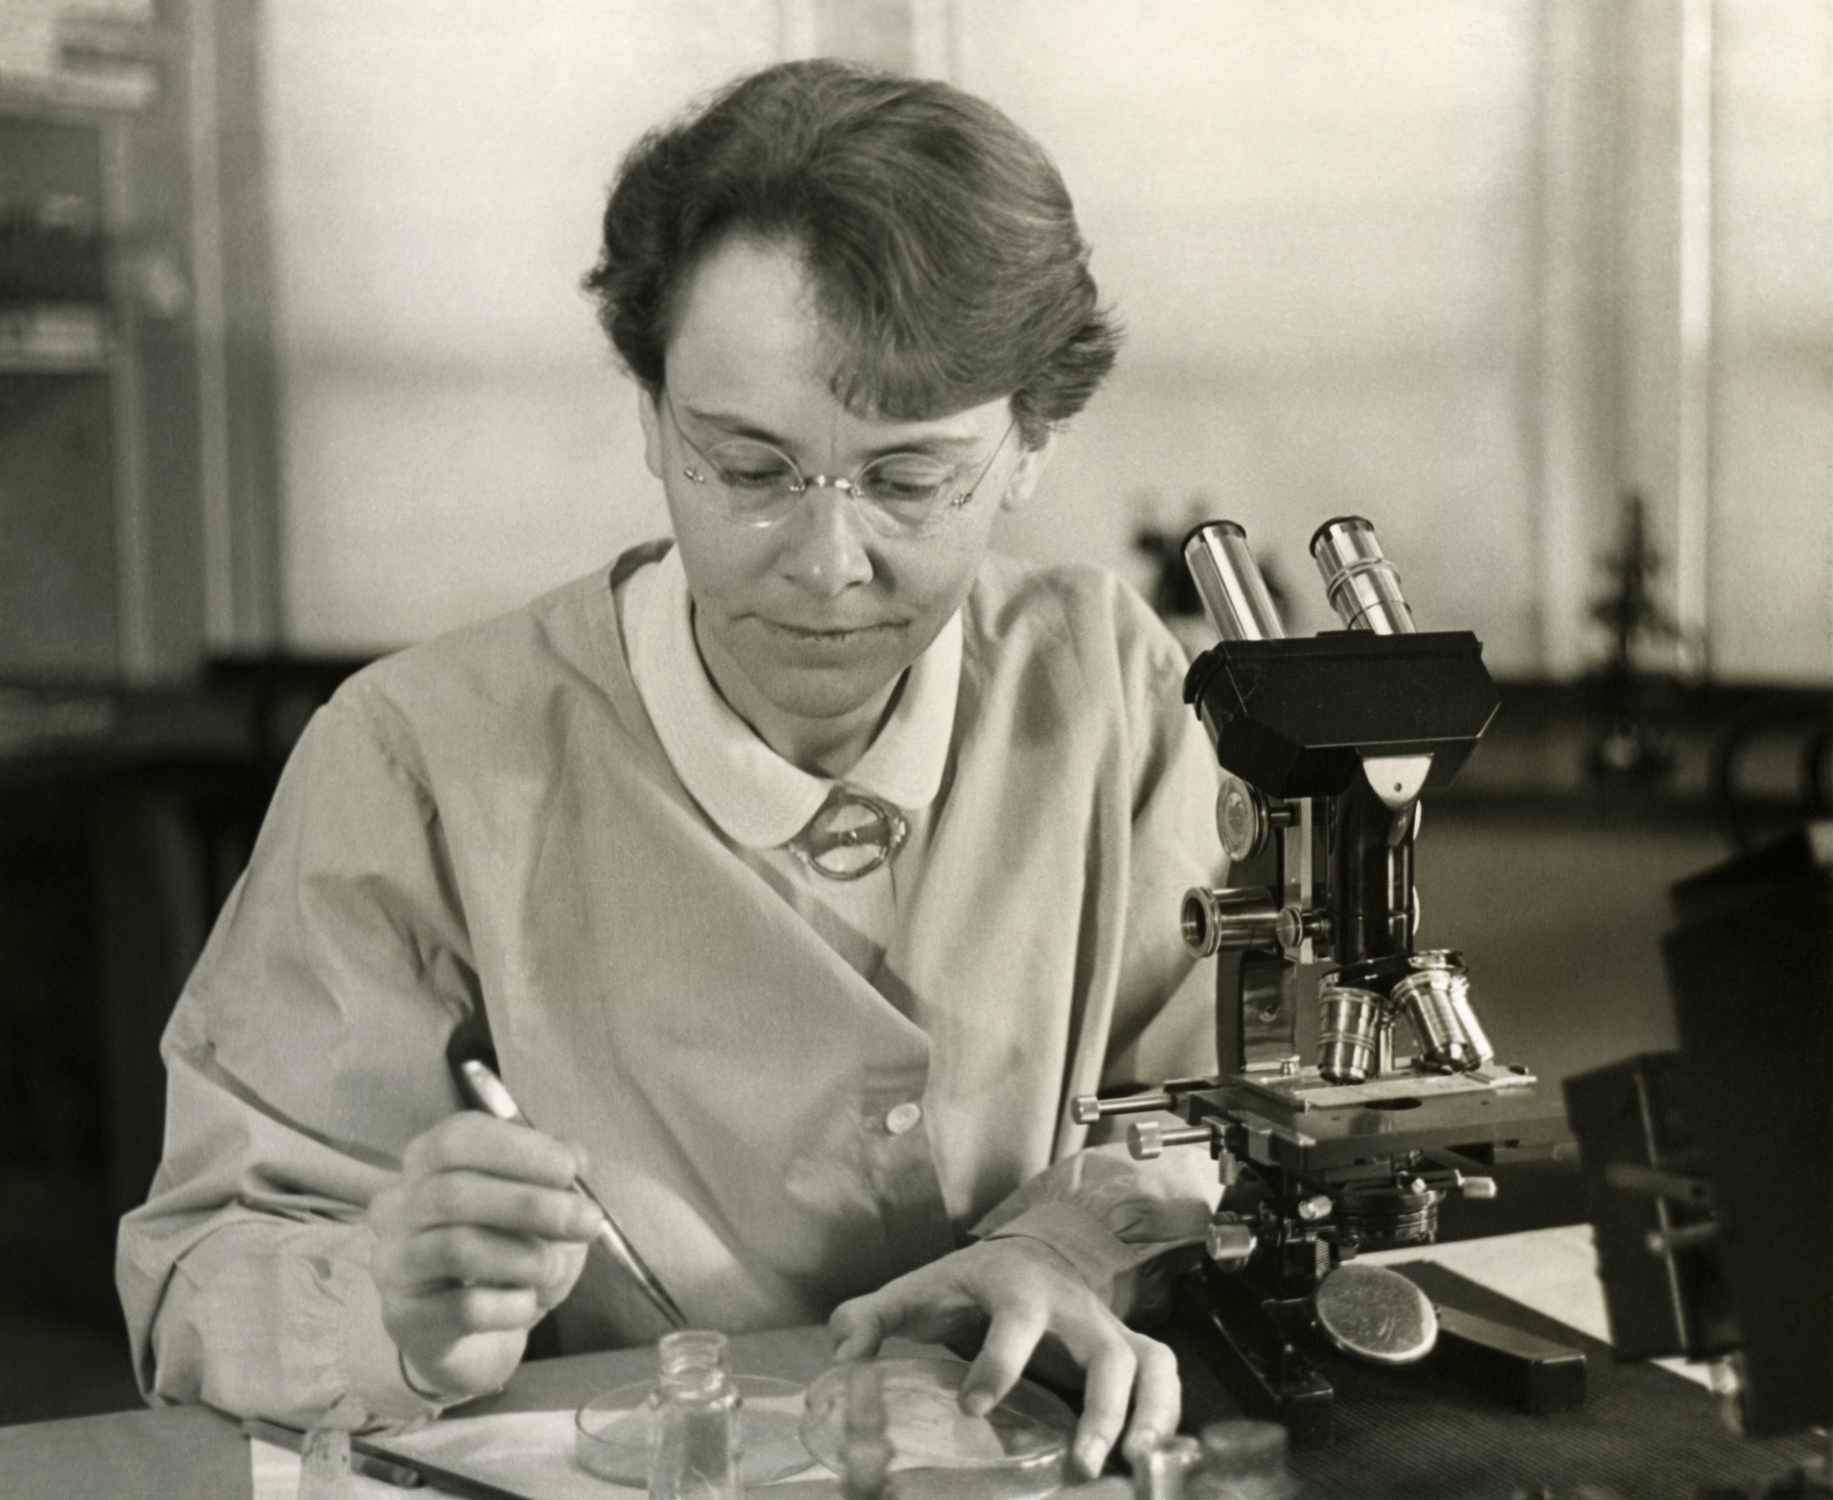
(651, 419)
(1029, 470)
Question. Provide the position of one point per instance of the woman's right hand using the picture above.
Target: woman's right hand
(476, 1239)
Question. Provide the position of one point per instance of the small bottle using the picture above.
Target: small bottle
(1162, 1465)
(324, 1465)
(865, 1450)
(1242, 1460)
(697, 1443)
(324, 1454)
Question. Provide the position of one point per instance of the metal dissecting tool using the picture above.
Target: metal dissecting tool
(487, 1092)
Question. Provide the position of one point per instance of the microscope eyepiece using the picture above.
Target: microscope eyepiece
(1363, 586)
(1229, 581)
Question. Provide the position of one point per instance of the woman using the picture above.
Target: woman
(798, 871)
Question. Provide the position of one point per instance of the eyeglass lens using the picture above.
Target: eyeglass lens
(907, 488)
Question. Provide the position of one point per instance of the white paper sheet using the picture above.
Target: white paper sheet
(528, 1452)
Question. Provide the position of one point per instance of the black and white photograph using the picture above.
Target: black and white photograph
(916, 749)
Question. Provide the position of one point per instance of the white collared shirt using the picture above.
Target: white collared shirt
(758, 800)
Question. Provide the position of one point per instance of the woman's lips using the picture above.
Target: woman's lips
(828, 634)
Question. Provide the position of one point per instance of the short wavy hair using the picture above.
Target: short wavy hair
(939, 238)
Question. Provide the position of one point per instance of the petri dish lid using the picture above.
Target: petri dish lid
(1017, 1449)
(611, 1432)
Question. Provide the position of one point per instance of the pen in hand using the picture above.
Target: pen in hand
(487, 1092)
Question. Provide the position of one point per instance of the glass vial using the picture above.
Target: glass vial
(697, 1443)
(1161, 1466)
(865, 1450)
(324, 1465)
(1242, 1460)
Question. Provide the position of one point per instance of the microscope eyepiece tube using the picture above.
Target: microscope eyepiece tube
(1229, 581)
(1363, 586)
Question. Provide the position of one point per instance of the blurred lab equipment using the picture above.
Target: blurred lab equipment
(1328, 1140)
(325, 1467)
(865, 1447)
(1233, 1459)
(1161, 1466)
(1242, 1460)
(1632, 743)
(1709, 1170)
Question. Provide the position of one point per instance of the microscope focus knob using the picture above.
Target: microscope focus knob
(1297, 925)
(1229, 1243)
(1085, 1109)
(1145, 1140)
(1148, 1139)
(1242, 821)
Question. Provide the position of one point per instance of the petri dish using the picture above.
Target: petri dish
(1016, 1450)
(611, 1432)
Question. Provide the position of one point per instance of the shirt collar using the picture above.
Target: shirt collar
(757, 798)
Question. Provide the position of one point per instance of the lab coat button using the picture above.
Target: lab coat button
(902, 1118)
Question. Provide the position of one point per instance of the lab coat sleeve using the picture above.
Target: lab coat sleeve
(306, 1051)
(1115, 1220)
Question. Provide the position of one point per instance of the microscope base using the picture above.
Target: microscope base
(1254, 1345)
(1251, 1343)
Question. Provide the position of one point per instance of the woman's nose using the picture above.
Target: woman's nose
(824, 543)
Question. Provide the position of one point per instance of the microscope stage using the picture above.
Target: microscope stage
(1306, 1125)
(1308, 1089)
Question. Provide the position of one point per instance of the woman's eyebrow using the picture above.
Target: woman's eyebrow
(732, 426)
(937, 442)
(942, 443)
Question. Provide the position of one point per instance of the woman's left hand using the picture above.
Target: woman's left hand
(1032, 1302)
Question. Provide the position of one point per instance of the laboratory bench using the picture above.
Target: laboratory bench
(1643, 1429)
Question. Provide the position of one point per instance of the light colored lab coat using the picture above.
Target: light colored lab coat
(488, 822)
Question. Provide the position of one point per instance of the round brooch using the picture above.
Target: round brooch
(852, 835)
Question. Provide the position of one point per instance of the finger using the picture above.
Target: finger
(489, 1309)
(1011, 1340)
(388, 1207)
(555, 1290)
(480, 1142)
(491, 1202)
(1105, 1394)
(461, 1253)
(855, 1329)
(1158, 1394)
(930, 1309)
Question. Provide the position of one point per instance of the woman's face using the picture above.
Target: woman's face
(806, 625)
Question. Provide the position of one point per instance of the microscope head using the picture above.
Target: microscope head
(1303, 717)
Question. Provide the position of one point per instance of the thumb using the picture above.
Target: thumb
(856, 1329)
